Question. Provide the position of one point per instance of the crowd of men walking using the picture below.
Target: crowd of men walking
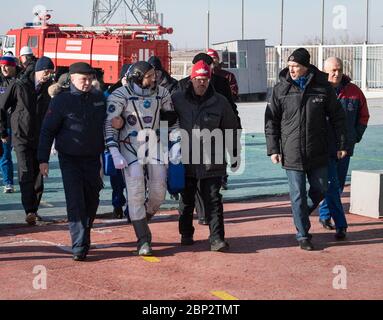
(312, 123)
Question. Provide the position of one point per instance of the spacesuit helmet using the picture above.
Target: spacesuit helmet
(138, 71)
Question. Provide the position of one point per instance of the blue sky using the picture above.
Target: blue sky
(188, 18)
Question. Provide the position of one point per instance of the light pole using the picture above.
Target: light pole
(208, 27)
(282, 17)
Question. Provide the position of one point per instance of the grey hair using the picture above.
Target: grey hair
(332, 59)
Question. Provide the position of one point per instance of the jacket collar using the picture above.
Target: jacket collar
(314, 74)
(76, 92)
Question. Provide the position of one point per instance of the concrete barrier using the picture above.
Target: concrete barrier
(367, 193)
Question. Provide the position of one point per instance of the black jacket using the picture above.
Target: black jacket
(209, 112)
(27, 74)
(43, 100)
(222, 86)
(76, 120)
(20, 101)
(296, 121)
(168, 82)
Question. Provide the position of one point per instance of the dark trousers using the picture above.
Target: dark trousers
(82, 185)
(303, 206)
(199, 204)
(212, 202)
(30, 179)
(6, 164)
(199, 207)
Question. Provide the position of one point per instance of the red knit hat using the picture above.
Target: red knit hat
(212, 53)
(200, 69)
(8, 61)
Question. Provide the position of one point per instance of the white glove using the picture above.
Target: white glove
(175, 154)
(118, 160)
(235, 164)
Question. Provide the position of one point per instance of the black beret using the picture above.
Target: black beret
(81, 68)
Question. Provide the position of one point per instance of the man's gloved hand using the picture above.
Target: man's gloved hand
(53, 150)
(118, 160)
(175, 153)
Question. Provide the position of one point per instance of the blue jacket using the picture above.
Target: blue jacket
(355, 107)
(76, 121)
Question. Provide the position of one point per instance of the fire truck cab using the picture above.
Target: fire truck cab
(106, 48)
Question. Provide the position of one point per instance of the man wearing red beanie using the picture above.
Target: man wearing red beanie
(200, 108)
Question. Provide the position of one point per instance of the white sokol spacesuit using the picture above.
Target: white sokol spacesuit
(137, 148)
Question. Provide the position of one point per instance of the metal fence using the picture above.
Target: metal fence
(181, 69)
(363, 63)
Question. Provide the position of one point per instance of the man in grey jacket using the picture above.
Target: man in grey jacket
(201, 112)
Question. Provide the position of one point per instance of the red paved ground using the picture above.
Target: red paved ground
(264, 261)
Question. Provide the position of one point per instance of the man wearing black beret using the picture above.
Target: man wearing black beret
(75, 120)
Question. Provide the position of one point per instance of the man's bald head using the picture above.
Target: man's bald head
(334, 67)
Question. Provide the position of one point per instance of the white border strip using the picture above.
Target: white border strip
(81, 56)
(73, 49)
(73, 42)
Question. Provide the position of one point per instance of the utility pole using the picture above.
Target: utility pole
(322, 32)
(208, 30)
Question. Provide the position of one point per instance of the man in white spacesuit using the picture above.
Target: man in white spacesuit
(137, 149)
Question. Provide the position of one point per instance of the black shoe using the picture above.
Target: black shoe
(341, 233)
(79, 257)
(327, 224)
(187, 241)
(306, 245)
(118, 213)
(219, 246)
(203, 221)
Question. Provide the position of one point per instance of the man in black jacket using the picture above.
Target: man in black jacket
(222, 86)
(200, 108)
(296, 135)
(27, 102)
(75, 120)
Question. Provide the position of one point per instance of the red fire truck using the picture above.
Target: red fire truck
(106, 47)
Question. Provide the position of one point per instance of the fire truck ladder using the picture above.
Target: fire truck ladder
(143, 11)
